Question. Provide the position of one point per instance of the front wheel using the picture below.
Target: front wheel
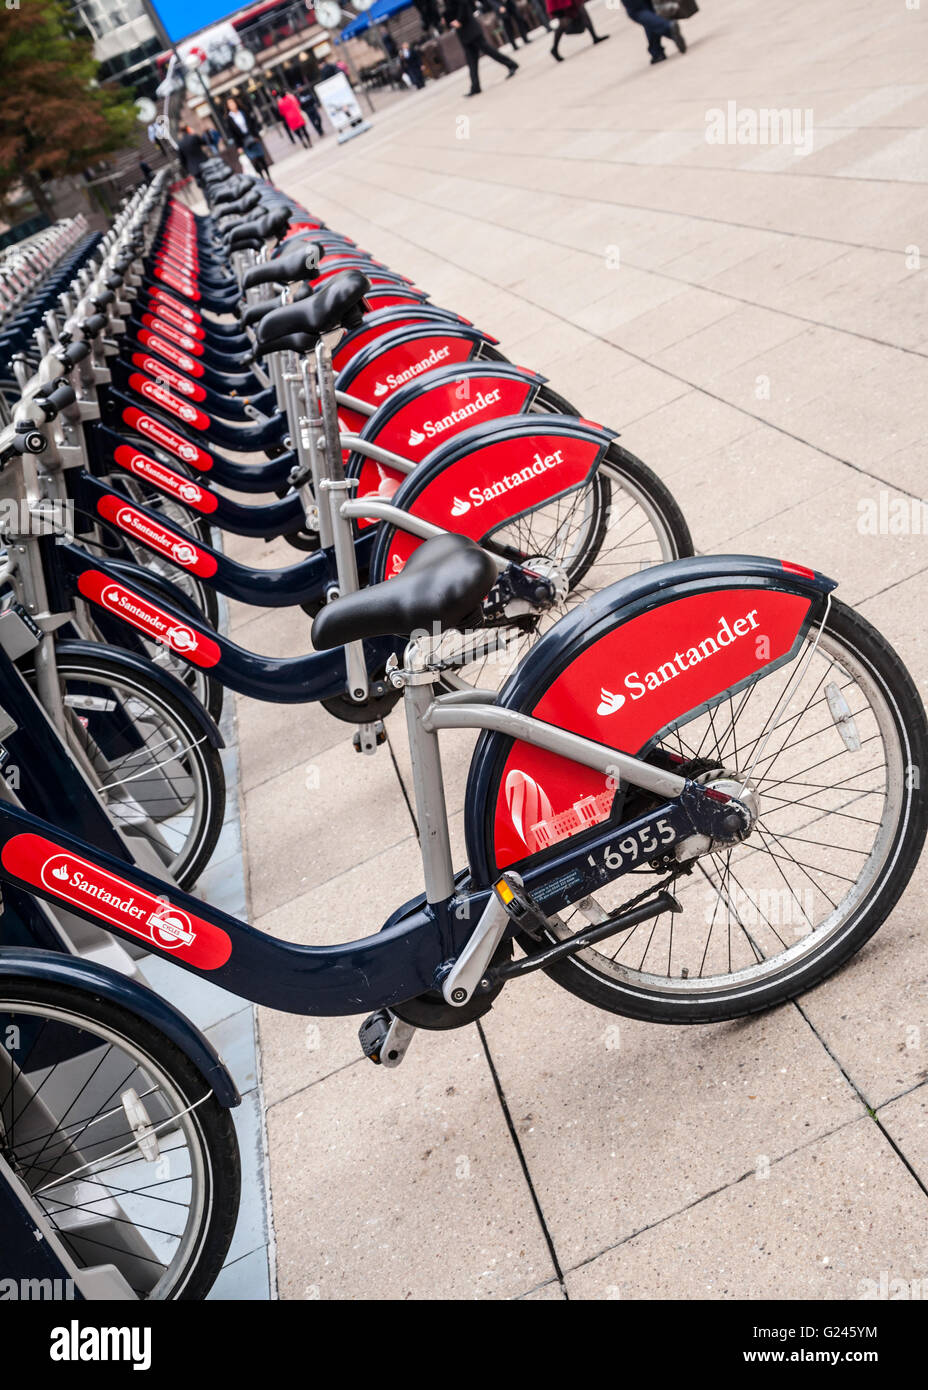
(840, 825)
(155, 768)
(118, 1137)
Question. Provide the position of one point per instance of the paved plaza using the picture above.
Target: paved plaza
(753, 317)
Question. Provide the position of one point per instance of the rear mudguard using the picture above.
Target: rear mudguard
(390, 361)
(388, 319)
(489, 475)
(303, 582)
(639, 658)
(156, 428)
(102, 983)
(435, 407)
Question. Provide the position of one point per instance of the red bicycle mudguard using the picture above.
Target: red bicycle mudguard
(388, 317)
(641, 657)
(490, 474)
(391, 361)
(432, 409)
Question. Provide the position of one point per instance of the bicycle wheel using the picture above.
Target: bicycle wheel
(160, 777)
(829, 765)
(118, 1137)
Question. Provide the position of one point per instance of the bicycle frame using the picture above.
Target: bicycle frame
(417, 945)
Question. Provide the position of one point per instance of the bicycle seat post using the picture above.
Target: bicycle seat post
(418, 681)
(335, 488)
(309, 434)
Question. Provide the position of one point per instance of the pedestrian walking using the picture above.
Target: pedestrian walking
(412, 65)
(540, 10)
(192, 151)
(241, 124)
(462, 17)
(570, 17)
(254, 149)
(656, 27)
(512, 21)
(156, 138)
(292, 115)
(310, 104)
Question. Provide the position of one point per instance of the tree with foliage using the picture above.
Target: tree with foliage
(54, 119)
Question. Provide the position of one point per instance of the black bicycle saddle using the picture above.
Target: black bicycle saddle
(336, 304)
(443, 583)
(301, 264)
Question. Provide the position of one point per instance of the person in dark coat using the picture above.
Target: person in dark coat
(310, 104)
(412, 65)
(511, 19)
(192, 150)
(570, 16)
(462, 17)
(240, 124)
(656, 27)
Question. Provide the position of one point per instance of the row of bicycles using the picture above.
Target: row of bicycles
(33, 274)
(694, 790)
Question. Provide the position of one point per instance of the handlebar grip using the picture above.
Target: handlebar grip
(59, 399)
(94, 325)
(26, 440)
(76, 352)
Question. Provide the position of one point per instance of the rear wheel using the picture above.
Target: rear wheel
(839, 829)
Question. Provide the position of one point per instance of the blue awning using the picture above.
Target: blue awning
(378, 12)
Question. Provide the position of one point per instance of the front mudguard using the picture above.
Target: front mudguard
(135, 663)
(98, 980)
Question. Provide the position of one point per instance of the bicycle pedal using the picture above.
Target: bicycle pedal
(384, 1038)
(367, 738)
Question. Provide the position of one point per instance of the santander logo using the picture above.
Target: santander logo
(136, 524)
(638, 684)
(147, 618)
(161, 435)
(165, 478)
(154, 391)
(107, 897)
(542, 463)
(167, 925)
(432, 428)
(609, 702)
(394, 379)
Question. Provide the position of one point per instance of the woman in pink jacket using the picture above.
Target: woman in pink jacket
(293, 118)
